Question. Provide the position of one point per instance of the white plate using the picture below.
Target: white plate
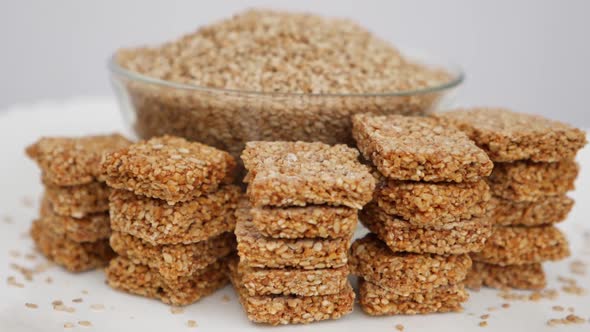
(19, 185)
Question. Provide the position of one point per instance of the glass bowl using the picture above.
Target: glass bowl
(227, 119)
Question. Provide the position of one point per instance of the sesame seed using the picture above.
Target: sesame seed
(191, 323)
(85, 323)
(97, 307)
(31, 305)
(176, 310)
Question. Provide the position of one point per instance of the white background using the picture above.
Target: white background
(529, 55)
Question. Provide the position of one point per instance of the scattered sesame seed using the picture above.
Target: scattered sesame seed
(31, 305)
(97, 307)
(77, 300)
(48, 280)
(573, 289)
(57, 302)
(84, 291)
(486, 316)
(578, 267)
(27, 201)
(399, 327)
(84, 323)
(30, 257)
(558, 308)
(505, 305)
(492, 309)
(569, 319)
(191, 323)
(26, 272)
(176, 310)
(225, 298)
(68, 325)
(11, 281)
(64, 308)
(483, 323)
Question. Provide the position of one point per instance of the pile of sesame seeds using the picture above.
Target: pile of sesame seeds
(272, 51)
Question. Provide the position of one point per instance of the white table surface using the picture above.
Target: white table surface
(20, 189)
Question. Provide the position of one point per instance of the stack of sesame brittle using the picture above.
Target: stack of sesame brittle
(295, 230)
(172, 214)
(73, 226)
(428, 213)
(534, 168)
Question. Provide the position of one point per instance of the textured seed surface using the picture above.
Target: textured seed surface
(547, 210)
(66, 161)
(433, 204)
(157, 222)
(523, 245)
(419, 149)
(508, 136)
(525, 181)
(174, 260)
(74, 256)
(301, 173)
(377, 301)
(405, 273)
(90, 228)
(256, 250)
(453, 238)
(525, 276)
(124, 275)
(292, 309)
(156, 168)
(292, 281)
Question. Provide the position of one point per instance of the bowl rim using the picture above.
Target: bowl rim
(457, 77)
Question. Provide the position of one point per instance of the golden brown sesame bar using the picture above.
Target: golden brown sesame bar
(255, 250)
(419, 149)
(74, 256)
(289, 281)
(547, 210)
(157, 222)
(433, 204)
(90, 228)
(174, 260)
(523, 245)
(527, 181)
(292, 309)
(404, 273)
(124, 275)
(454, 238)
(78, 201)
(301, 173)
(305, 222)
(510, 136)
(526, 276)
(168, 168)
(377, 301)
(67, 161)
